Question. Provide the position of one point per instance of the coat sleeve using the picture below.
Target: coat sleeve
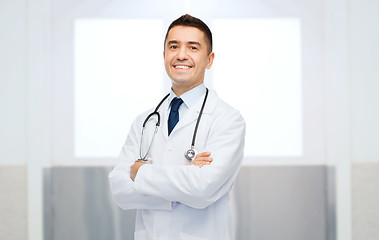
(121, 186)
(194, 186)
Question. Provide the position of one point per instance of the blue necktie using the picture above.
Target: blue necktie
(173, 119)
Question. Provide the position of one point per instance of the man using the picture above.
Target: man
(176, 198)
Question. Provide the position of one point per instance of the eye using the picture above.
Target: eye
(193, 48)
(173, 46)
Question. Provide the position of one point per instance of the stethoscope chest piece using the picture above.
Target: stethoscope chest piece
(190, 154)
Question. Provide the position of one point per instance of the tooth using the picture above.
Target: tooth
(182, 66)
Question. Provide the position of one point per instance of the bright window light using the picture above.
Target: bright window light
(257, 69)
(116, 78)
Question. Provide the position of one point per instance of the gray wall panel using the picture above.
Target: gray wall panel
(286, 203)
(82, 208)
(365, 201)
(280, 203)
(331, 209)
(13, 202)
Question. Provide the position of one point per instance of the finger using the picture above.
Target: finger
(206, 159)
(198, 164)
(203, 154)
(205, 163)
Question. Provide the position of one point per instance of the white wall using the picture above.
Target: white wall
(364, 80)
(13, 120)
(39, 108)
(337, 113)
(364, 77)
(13, 85)
(25, 119)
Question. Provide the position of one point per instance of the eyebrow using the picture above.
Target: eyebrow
(176, 41)
(172, 42)
(194, 42)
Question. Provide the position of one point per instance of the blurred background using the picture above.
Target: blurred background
(304, 74)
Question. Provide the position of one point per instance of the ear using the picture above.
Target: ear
(211, 57)
(164, 55)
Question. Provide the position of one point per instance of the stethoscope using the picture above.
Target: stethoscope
(191, 153)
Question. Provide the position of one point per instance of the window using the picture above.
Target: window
(258, 70)
(118, 70)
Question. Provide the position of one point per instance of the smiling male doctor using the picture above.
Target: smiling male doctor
(176, 198)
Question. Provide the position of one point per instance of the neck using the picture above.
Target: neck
(179, 90)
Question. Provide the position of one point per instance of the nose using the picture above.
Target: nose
(182, 54)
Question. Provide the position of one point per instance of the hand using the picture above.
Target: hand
(202, 159)
(134, 169)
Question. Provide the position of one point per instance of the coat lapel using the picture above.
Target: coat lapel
(193, 113)
(190, 116)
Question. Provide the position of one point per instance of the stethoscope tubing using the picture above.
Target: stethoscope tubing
(159, 122)
(198, 120)
(155, 113)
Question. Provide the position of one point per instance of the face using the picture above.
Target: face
(186, 57)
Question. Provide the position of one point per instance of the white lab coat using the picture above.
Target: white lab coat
(175, 201)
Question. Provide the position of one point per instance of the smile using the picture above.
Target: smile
(182, 67)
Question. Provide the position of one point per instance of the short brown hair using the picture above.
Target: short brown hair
(190, 21)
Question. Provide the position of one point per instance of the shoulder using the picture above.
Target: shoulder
(138, 121)
(221, 107)
(144, 115)
(224, 112)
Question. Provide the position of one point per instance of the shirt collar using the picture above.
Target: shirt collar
(190, 97)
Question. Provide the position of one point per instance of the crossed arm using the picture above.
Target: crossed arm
(196, 185)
